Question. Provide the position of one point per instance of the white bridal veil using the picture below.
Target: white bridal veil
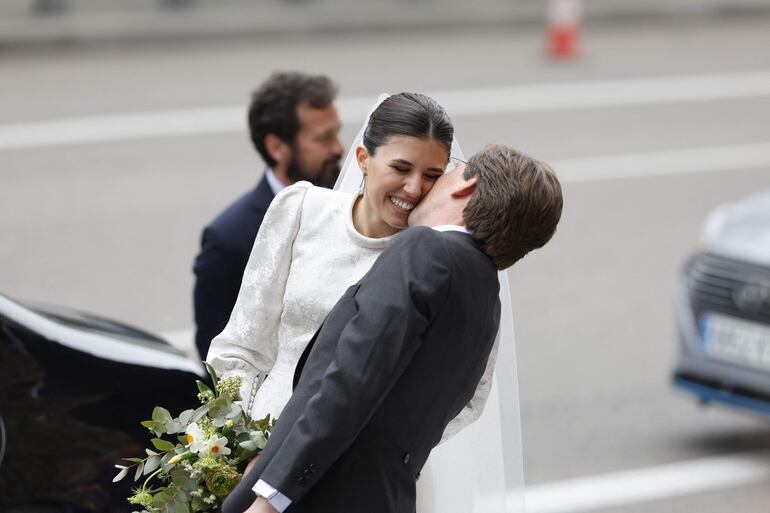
(479, 469)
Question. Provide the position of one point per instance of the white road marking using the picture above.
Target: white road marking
(656, 483)
(663, 163)
(464, 102)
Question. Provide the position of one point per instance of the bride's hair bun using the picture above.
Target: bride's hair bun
(408, 114)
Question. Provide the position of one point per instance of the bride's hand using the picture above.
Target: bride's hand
(250, 465)
(261, 505)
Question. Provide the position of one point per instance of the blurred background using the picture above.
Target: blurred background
(123, 133)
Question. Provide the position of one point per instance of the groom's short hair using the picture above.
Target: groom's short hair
(515, 206)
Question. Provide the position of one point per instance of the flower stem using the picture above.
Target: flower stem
(144, 486)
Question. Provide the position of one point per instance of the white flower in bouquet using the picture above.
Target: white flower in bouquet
(217, 446)
(196, 438)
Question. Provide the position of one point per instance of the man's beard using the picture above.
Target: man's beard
(326, 177)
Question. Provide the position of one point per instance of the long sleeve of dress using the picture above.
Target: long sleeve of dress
(248, 345)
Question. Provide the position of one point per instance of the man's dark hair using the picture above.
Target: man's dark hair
(515, 205)
(273, 108)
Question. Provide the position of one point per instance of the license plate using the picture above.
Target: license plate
(736, 340)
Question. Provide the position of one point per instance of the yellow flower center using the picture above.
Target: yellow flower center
(215, 449)
(190, 439)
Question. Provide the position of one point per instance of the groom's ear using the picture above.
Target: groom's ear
(464, 188)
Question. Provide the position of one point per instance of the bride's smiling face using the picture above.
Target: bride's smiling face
(398, 176)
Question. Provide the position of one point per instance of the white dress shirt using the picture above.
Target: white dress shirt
(275, 184)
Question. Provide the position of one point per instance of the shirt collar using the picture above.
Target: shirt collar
(275, 184)
(452, 228)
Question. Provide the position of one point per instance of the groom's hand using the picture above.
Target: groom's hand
(261, 505)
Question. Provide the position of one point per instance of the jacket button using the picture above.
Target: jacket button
(307, 472)
(407, 457)
(301, 480)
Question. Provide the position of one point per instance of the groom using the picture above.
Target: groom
(403, 350)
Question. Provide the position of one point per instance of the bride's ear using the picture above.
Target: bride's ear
(362, 156)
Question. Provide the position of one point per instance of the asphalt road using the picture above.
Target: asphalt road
(113, 227)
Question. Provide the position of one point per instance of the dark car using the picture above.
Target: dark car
(724, 309)
(73, 389)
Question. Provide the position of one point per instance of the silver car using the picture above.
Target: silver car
(723, 307)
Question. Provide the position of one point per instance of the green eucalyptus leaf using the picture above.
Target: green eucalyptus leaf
(123, 472)
(164, 498)
(220, 406)
(235, 410)
(153, 462)
(180, 504)
(203, 388)
(150, 424)
(180, 478)
(185, 417)
(259, 439)
(248, 445)
(133, 460)
(212, 373)
(138, 473)
(162, 445)
(161, 415)
(200, 412)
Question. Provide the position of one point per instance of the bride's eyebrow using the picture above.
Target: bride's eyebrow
(407, 163)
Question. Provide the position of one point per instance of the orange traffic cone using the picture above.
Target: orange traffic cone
(563, 33)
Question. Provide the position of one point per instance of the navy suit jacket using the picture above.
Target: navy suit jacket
(225, 248)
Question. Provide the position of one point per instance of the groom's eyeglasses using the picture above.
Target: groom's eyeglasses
(454, 162)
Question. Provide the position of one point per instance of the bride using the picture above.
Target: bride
(313, 244)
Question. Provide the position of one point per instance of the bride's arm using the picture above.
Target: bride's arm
(248, 345)
(475, 406)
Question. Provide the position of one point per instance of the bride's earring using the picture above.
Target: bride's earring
(363, 186)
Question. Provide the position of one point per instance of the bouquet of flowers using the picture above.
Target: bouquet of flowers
(206, 456)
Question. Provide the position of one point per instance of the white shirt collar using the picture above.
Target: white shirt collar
(451, 228)
(275, 184)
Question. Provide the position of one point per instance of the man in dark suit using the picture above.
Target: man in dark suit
(403, 350)
(294, 127)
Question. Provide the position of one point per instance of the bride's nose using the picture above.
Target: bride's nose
(413, 185)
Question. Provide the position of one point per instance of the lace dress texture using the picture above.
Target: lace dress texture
(307, 253)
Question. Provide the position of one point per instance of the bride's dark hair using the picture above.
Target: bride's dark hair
(408, 114)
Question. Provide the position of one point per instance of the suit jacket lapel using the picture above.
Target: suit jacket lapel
(303, 359)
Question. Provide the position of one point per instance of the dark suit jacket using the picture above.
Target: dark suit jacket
(225, 248)
(396, 359)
